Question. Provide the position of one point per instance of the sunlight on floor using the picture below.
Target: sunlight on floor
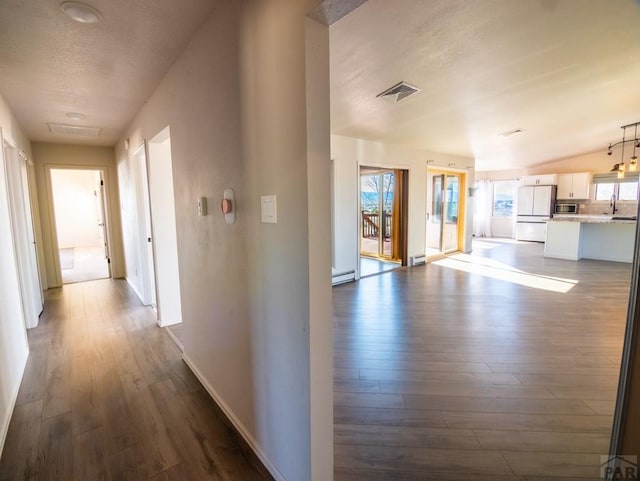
(504, 272)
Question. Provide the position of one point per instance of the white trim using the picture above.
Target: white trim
(14, 399)
(175, 340)
(343, 277)
(253, 444)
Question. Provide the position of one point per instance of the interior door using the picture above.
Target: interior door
(146, 236)
(23, 234)
(102, 223)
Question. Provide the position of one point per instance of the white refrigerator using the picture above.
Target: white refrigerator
(535, 207)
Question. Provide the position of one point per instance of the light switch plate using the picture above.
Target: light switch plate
(202, 206)
(269, 209)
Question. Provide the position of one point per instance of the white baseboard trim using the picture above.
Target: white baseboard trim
(253, 444)
(134, 288)
(179, 344)
(4, 429)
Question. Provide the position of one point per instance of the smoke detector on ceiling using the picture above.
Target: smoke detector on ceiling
(66, 129)
(398, 92)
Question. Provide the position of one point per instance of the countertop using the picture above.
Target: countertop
(593, 219)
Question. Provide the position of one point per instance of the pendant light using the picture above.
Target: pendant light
(633, 163)
(620, 167)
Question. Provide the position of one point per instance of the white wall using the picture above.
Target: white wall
(14, 347)
(235, 102)
(348, 153)
(76, 208)
(46, 156)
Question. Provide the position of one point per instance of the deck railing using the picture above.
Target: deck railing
(371, 224)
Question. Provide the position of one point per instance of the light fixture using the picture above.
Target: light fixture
(620, 167)
(80, 12)
(633, 163)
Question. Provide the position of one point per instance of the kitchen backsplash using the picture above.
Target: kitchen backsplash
(599, 207)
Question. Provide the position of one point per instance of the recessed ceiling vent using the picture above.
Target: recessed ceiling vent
(511, 132)
(398, 92)
(66, 129)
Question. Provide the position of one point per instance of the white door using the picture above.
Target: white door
(525, 200)
(23, 234)
(146, 237)
(102, 218)
(542, 200)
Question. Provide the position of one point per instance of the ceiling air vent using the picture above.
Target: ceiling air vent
(66, 129)
(398, 92)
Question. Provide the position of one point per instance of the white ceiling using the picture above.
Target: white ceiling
(566, 71)
(51, 65)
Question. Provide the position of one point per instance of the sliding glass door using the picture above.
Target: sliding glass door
(377, 190)
(444, 212)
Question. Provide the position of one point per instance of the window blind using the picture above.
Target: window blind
(612, 178)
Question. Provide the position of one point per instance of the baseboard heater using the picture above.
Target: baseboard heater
(417, 260)
(343, 277)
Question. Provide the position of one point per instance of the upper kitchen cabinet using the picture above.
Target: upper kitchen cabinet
(574, 186)
(544, 179)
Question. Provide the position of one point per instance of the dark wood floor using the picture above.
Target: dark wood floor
(479, 368)
(448, 372)
(106, 397)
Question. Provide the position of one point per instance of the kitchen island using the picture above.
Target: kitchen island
(600, 237)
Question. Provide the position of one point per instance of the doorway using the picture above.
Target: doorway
(383, 227)
(445, 211)
(80, 224)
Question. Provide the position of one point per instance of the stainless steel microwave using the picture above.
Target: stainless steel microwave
(566, 208)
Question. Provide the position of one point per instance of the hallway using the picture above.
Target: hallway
(497, 366)
(107, 397)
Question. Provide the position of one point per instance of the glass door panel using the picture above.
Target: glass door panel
(387, 190)
(452, 201)
(377, 213)
(369, 220)
(434, 212)
(443, 212)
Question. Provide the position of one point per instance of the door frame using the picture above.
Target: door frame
(54, 246)
(405, 210)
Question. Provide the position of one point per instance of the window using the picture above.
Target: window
(605, 191)
(624, 189)
(503, 199)
(628, 191)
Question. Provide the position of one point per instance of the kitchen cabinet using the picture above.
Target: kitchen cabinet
(543, 179)
(574, 186)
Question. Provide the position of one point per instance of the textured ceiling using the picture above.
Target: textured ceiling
(566, 71)
(51, 65)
